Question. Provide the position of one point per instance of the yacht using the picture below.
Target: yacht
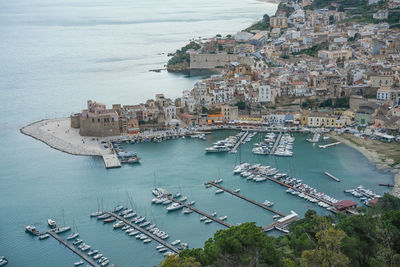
(96, 214)
(219, 191)
(118, 208)
(208, 221)
(104, 263)
(218, 181)
(62, 229)
(98, 256)
(191, 203)
(79, 263)
(119, 224)
(31, 229)
(223, 218)
(176, 242)
(104, 216)
(183, 199)
(51, 223)
(140, 220)
(174, 206)
(147, 240)
(217, 149)
(159, 247)
(90, 253)
(73, 236)
(86, 247)
(203, 218)
(77, 242)
(109, 220)
(176, 195)
(162, 249)
(130, 215)
(144, 224)
(187, 211)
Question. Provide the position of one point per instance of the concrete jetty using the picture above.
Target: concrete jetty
(329, 145)
(282, 223)
(247, 199)
(238, 143)
(144, 231)
(200, 212)
(78, 252)
(276, 143)
(331, 176)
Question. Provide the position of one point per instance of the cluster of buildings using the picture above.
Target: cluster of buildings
(267, 76)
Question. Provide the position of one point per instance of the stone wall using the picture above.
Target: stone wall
(212, 61)
(97, 127)
(75, 121)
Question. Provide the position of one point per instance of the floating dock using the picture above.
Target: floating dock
(238, 143)
(78, 252)
(388, 185)
(276, 143)
(111, 161)
(144, 231)
(331, 176)
(201, 212)
(282, 223)
(245, 198)
(328, 145)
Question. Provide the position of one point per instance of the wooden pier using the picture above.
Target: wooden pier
(276, 143)
(144, 231)
(331, 176)
(328, 145)
(201, 212)
(245, 198)
(78, 252)
(234, 149)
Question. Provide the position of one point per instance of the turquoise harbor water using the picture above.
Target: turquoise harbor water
(57, 54)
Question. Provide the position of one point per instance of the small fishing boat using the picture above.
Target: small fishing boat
(51, 223)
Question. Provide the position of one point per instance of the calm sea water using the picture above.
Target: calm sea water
(57, 54)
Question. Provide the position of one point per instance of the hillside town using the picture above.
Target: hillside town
(311, 68)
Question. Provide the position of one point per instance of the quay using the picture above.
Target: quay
(144, 231)
(331, 176)
(388, 185)
(328, 145)
(200, 212)
(245, 198)
(234, 149)
(276, 143)
(282, 223)
(78, 252)
(111, 160)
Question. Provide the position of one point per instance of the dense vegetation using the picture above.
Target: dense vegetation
(370, 239)
(181, 55)
(312, 51)
(340, 102)
(262, 25)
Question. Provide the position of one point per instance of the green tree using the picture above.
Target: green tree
(176, 261)
(328, 252)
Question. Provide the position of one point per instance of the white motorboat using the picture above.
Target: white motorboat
(51, 223)
(203, 218)
(176, 242)
(118, 208)
(98, 256)
(268, 203)
(223, 218)
(237, 190)
(191, 203)
(119, 224)
(187, 211)
(62, 229)
(218, 181)
(208, 221)
(174, 206)
(219, 191)
(183, 199)
(78, 263)
(44, 236)
(159, 247)
(96, 214)
(77, 242)
(90, 253)
(214, 214)
(148, 240)
(72, 236)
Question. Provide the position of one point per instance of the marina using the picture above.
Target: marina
(276, 143)
(245, 198)
(77, 251)
(144, 231)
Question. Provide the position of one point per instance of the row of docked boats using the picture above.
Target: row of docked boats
(264, 147)
(165, 198)
(225, 145)
(94, 253)
(363, 194)
(258, 173)
(284, 148)
(198, 136)
(125, 156)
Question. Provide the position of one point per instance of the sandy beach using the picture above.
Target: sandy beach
(58, 134)
(376, 159)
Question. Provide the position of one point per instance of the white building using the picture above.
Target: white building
(170, 113)
(264, 93)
